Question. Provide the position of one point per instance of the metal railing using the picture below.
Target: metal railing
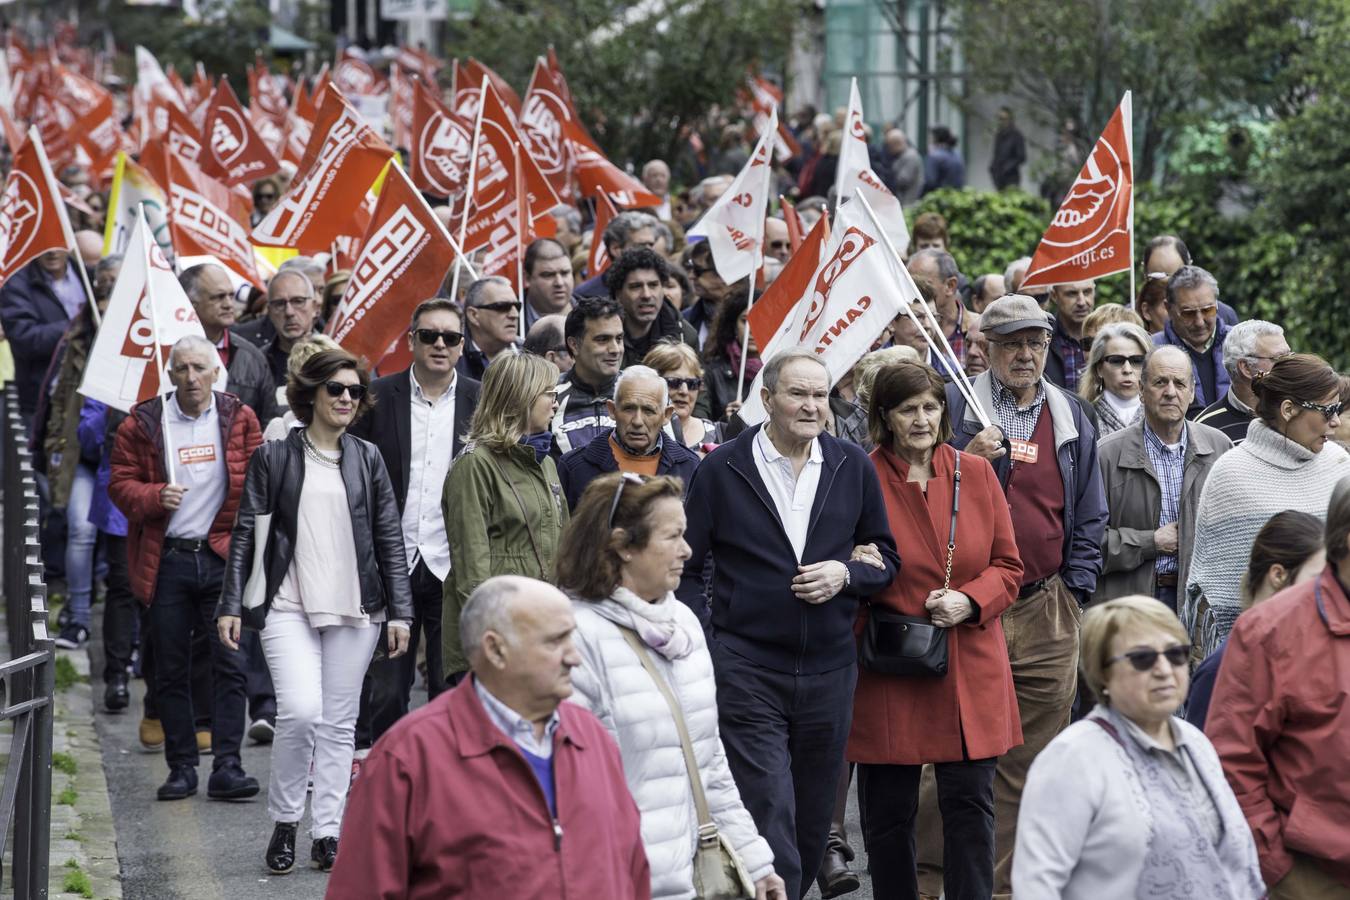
(28, 678)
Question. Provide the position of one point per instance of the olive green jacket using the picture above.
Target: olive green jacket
(61, 443)
(491, 532)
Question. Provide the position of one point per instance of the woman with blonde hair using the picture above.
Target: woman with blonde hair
(1114, 374)
(1132, 801)
(301, 351)
(1107, 314)
(503, 504)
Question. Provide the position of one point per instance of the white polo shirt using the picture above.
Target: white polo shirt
(793, 495)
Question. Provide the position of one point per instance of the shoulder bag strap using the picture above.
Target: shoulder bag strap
(524, 513)
(951, 535)
(696, 782)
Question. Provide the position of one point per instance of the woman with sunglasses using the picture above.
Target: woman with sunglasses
(1132, 801)
(1288, 461)
(503, 503)
(647, 675)
(1111, 379)
(334, 569)
(679, 365)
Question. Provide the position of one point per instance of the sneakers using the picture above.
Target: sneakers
(204, 741)
(262, 730)
(116, 697)
(280, 856)
(73, 636)
(230, 783)
(152, 735)
(181, 784)
(323, 853)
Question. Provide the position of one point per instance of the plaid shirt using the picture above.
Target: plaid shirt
(1075, 358)
(1169, 466)
(1017, 422)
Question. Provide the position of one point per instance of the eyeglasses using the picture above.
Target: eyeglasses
(691, 384)
(1329, 410)
(501, 306)
(1119, 361)
(625, 478)
(1204, 312)
(267, 196)
(280, 303)
(336, 389)
(430, 336)
(1019, 346)
(1269, 358)
(1143, 660)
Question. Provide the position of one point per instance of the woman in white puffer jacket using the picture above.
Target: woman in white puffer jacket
(625, 546)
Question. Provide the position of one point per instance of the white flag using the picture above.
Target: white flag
(734, 226)
(855, 172)
(147, 314)
(855, 293)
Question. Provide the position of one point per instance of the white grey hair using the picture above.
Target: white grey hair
(192, 342)
(488, 609)
(635, 373)
(1188, 278)
(1169, 350)
(1241, 341)
(306, 265)
(774, 367)
(1022, 262)
(293, 272)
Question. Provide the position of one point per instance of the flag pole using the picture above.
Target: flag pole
(745, 339)
(468, 189)
(1129, 146)
(154, 341)
(521, 212)
(958, 374)
(64, 219)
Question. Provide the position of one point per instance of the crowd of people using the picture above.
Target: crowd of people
(659, 642)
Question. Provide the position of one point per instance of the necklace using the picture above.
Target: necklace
(314, 453)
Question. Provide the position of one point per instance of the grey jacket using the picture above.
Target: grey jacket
(1134, 499)
(250, 379)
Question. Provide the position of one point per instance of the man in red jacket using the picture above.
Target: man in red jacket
(497, 788)
(179, 518)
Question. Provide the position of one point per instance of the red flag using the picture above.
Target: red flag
(32, 217)
(299, 125)
(271, 134)
(201, 85)
(764, 96)
(12, 136)
(438, 157)
(176, 82)
(790, 287)
(405, 254)
(235, 154)
(415, 59)
(170, 124)
(556, 70)
(56, 122)
(506, 251)
(469, 83)
(353, 75)
(1092, 234)
(206, 218)
(599, 260)
(596, 174)
(793, 221)
(342, 161)
(97, 129)
(542, 119)
(264, 91)
(400, 104)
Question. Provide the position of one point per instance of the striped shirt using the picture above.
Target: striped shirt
(1169, 466)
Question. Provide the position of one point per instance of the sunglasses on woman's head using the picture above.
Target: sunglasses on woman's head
(336, 389)
(1143, 660)
(624, 479)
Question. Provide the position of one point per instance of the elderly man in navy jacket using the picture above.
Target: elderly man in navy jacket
(781, 509)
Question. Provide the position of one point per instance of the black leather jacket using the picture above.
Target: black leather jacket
(276, 474)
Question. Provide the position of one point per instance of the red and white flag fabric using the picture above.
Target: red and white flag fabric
(1092, 233)
(147, 314)
(353, 75)
(468, 86)
(234, 153)
(342, 161)
(32, 217)
(765, 98)
(599, 260)
(400, 104)
(855, 173)
(543, 119)
(438, 154)
(168, 123)
(415, 60)
(264, 91)
(506, 251)
(793, 222)
(56, 122)
(854, 293)
(405, 255)
(780, 298)
(734, 227)
(596, 174)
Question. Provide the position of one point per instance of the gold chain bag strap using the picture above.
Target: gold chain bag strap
(719, 873)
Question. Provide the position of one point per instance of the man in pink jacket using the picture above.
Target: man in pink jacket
(496, 788)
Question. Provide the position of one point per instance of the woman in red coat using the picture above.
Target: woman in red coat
(961, 721)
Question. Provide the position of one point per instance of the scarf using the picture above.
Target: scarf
(655, 622)
(752, 365)
(539, 443)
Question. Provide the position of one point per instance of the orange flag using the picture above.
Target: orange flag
(469, 84)
(506, 252)
(400, 104)
(235, 154)
(265, 91)
(170, 124)
(542, 118)
(341, 162)
(353, 75)
(792, 285)
(1092, 234)
(32, 216)
(56, 122)
(599, 259)
(13, 138)
(405, 254)
(793, 221)
(438, 154)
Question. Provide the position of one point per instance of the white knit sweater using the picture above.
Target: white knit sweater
(1264, 475)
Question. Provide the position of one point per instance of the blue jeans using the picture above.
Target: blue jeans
(81, 536)
(185, 603)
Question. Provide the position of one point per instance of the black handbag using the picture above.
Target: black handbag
(896, 644)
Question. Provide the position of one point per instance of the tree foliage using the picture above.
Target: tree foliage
(636, 86)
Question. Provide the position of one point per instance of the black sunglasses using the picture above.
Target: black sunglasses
(1118, 360)
(429, 336)
(625, 478)
(1329, 410)
(1143, 660)
(502, 306)
(691, 384)
(336, 389)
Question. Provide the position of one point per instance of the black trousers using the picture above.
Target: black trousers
(386, 692)
(785, 736)
(185, 604)
(121, 612)
(888, 801)
(200, 666)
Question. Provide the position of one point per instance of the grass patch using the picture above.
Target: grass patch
(66, 675)
(76, 881)
(68, 797)
(74, 836)
(64, 762)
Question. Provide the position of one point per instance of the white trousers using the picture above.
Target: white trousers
(317, 675)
